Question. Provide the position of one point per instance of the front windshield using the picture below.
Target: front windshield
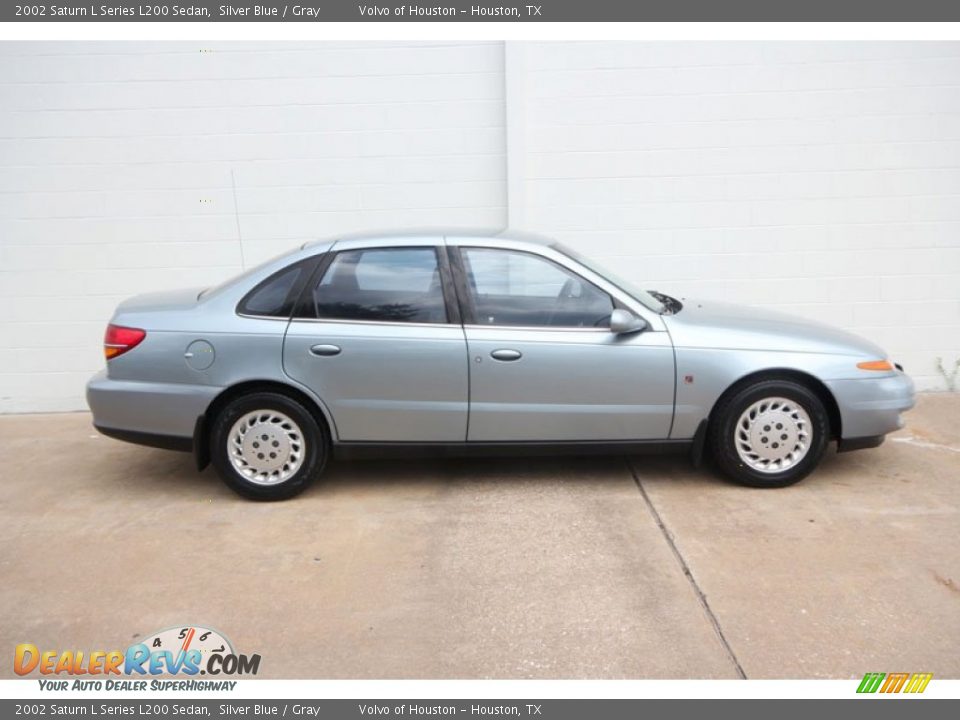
(632, 290)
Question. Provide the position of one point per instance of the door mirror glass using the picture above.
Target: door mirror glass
(624, 321)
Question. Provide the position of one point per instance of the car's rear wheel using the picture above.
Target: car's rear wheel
(267, 446)
(772, 433)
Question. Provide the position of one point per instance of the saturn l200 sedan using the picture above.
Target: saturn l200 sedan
(478, 345)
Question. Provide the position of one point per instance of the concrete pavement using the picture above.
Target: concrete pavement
(530, 568)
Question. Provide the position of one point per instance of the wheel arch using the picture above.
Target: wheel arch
(201, 433)
(811, 382)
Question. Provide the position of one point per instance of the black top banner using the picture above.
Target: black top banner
(478, 11)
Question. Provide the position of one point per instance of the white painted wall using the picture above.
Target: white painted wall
(822, 178)
(117, 164)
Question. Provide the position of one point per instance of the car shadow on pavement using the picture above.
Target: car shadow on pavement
(176, 472)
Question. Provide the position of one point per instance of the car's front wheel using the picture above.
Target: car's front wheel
(772, 433)
(267, 446)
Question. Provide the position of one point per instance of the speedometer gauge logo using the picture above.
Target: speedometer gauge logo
(191, 650)
(205, 640)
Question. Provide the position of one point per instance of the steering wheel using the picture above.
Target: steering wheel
(603, 321)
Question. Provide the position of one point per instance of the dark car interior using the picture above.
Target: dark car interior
(341, 294)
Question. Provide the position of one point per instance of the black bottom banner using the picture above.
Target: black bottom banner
(742, 709)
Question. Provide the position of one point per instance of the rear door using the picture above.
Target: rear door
(378, 340)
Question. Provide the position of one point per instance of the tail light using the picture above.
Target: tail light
(118, 339)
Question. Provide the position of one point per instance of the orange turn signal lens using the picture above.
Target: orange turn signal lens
(876, 365)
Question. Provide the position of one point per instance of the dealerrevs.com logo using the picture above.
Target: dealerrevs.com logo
(179, 651)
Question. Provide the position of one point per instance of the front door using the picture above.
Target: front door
(544, 365)
(376, 345)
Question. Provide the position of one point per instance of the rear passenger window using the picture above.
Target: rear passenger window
(274, 296)
(387, 285)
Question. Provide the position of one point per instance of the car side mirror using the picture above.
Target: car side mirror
(624, 321)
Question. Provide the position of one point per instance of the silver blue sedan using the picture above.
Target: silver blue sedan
(467, 345)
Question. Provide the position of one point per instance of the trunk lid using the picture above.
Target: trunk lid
(161, 301)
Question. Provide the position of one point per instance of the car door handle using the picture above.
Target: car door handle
(506, 354)
(325, 350)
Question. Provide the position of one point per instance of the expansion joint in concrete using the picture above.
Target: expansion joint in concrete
(701, 597)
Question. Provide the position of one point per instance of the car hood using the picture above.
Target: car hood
(161, 301)
(706, 323)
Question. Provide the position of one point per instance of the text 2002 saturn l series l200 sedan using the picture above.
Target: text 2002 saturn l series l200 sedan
(477, 344)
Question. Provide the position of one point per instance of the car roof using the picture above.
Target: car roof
(452, 235)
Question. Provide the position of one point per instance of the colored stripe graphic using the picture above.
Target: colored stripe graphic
(870, 682)
(918, 682)
(894, 682)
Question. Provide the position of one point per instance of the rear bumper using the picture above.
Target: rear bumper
(872, 407)
(148, 413)
(164, 442)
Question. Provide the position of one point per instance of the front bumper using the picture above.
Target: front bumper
(872, 407)
(148, 413)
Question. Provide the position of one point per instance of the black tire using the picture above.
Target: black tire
(315, 447)
(723, 426)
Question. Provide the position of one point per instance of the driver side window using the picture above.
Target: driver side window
(516, 288)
